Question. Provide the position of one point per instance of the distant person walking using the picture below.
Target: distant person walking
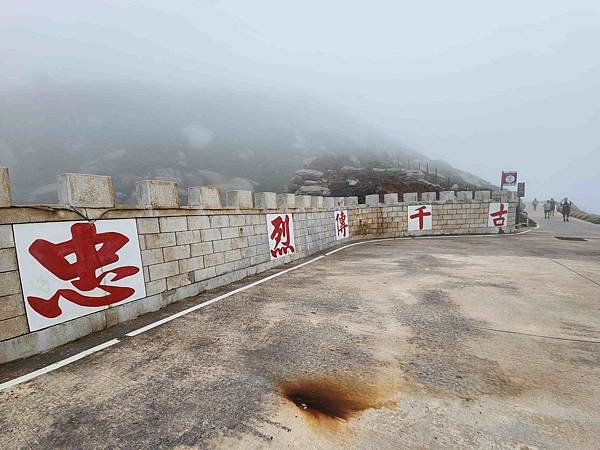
(565, 209)
(552, 206)
(547, 208)
(534, 203)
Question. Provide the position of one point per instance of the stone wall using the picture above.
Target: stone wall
(189, 249)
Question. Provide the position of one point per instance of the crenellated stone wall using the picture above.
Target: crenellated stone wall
(189, 249)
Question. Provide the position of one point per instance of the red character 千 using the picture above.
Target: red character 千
(92, 252)
(282, 237)
(421, 214)
(498, 216)
(342, 226)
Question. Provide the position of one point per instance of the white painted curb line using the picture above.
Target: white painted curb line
(57, 365)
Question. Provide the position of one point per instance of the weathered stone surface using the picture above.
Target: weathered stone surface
(157, 194)
(206, 197)
(482, 196)
(309, 174)
(265, 200)
(447, 195)
(328, 202)
(5, 189)
(239, 199)
(390, 199)
(339, 201)
(286, 201)
(85, 191)
(314, 189)
(465, 196)
(372, 200)
(351, 201)
(409, 197)
(316, 202)
(303, 201)
(429, 196)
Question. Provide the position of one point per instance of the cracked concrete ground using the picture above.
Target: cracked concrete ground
(468, 342)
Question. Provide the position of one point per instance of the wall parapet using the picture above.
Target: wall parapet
(187, 249)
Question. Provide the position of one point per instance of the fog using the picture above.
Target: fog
(485, 86)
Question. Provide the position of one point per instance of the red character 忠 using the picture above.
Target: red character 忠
(342, 226)
(421, 214)
(92, 252)
(282, 237)
(498, 216)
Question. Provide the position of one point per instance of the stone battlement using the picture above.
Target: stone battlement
(177, 251)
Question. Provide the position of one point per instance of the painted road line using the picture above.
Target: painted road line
(97, 348)
(57, 365)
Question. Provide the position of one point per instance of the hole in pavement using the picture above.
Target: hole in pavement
(569, 238)
(331, 401)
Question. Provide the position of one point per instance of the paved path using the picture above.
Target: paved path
(469, 342)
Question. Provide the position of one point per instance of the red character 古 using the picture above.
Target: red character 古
(92, 252)
(281, 236)
(498, 216)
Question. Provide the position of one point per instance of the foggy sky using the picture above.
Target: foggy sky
(485, 86)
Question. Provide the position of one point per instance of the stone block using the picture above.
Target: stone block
(390, 199)
(328, 202)
(511, 196)
(219, 221)
(170, 224)
(372, 200)
(286, 201)
(12, 327)
(201, 248)
(303, 201)
(177, 252)
(447, 195)
(159, 240)
(9, 283)
(465, 196)
(482, 196)
(147, 225)
(157, 194)
(164, 270)
(8, 259)
(206, 197)
(198, 222)
(351, 201)
(6, 236)
(339, 202)
(429, 196)
(497, 194)
(316, 202)
(239, 199)
(265, 200)
(5, 190)
(410, 197)
(85, 191)
(11, 306)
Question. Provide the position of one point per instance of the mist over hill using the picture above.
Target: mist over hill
(233, 138)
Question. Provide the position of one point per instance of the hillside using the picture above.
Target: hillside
(235, 139)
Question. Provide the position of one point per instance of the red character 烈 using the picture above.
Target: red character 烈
(92, 252)
(498, 217)
(282, 237)
(421, 214)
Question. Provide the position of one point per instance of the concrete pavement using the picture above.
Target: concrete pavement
(466, 342)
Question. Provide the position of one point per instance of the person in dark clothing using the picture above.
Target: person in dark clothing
(565, 209)
(534, 203)
(552, 206)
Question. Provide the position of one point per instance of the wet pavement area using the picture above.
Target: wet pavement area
(458, 342)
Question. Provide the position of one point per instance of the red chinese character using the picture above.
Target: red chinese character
(421, 213)
(498, 216)
(342, 226)
(281, 235)
(92, 252)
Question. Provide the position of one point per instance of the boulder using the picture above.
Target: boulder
(309, 174)
(314, 190)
